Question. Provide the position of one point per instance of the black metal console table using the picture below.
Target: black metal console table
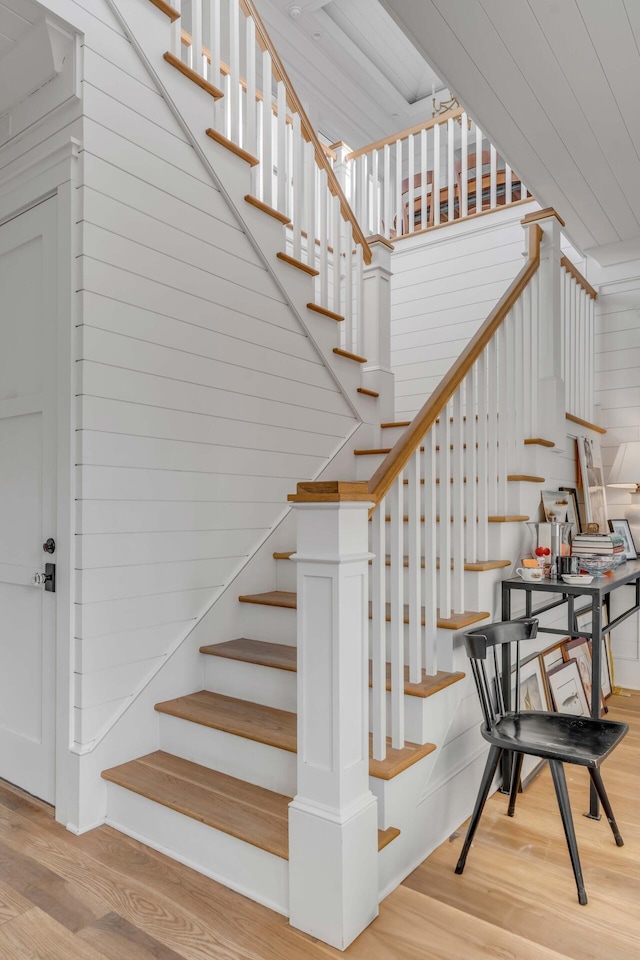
(599, 592)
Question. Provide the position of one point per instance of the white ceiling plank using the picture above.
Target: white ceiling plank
(563, 108)
(571, 43)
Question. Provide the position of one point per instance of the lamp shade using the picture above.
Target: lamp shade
(625, 471)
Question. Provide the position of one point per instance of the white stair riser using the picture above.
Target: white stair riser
(427, 718)
(272, 624)
(251, 681)
(239, 865)
(249, 760)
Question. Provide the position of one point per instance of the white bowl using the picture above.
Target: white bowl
(577, 579)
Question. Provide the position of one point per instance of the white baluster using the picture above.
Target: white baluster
(379, 634)
(323, 237)
(296, 214)
(388, 194)
(591, 376)
(198, 62)
(504, 417)
(535, 377)
(483, 459)
(436, 175)
(508, 184)
(336, 256)
(515, 386)
(375, 186)
(358, 324)
(411, 206)
(423, 179)
(478, 170)
(457, 500)
(176, 31)
(464, 167)
(414, 569)
(310, 201)
(492, 424)
(267, 132)
(251, 139)
(451, 187)
(399, 214)
(362, 190)
(282, 178)
(494, 178)
(444, 502)
(215, 30)
(397, 614)
(471, 434)
(347, 331)
(430, 553)
(234, 71)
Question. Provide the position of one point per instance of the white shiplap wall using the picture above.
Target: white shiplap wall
(444, 285)
(201, 402)
(617, 365)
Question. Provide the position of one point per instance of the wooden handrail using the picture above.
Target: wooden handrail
(419, 127)
(395, 461)
(579, 279)
(309, 132)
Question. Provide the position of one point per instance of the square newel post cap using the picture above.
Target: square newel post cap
(542, 215)
(332, 491)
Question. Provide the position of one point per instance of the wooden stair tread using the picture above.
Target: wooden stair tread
(282, 598)
(372, 452)
(242, 718)
(339, 352)
(397, 761)
(193, 76)
(524, 478)
(243, 810)
(584, 423)
(325, 312)
(285, 658)
(276, 728)
(298, 264)
(457, 621)
(427, 687)
(259, 205)
(167, 9)
(368, 393)
(397, 423)
(477, 566)
(539, 442)
(272, 598)
(277, 655)
(233, 147)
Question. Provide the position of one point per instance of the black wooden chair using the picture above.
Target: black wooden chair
(557, 737)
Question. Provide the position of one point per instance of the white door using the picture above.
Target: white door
(27, 498)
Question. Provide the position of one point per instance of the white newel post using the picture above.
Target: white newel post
(333, 819)
(376, 325)
(551, 388)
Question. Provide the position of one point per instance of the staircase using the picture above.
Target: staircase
(450, 491)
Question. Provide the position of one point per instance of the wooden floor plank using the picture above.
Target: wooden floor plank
(516, 898)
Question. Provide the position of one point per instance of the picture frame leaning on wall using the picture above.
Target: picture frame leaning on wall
(595, 501)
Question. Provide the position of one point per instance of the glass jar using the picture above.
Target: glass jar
(549, 540)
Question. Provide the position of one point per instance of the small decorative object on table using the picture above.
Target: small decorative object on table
(599, 566)
(548, 542)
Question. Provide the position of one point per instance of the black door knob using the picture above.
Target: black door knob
(49, 546)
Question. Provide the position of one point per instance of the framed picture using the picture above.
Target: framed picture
(553, 656)
(583, 624)
(573, 513)
(533, 688)
(622, 527)
(555, 504)
(567, 690)
(580, 651)
(595, 502)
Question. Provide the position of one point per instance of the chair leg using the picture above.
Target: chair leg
(596, 778)
(487, 779)
(516, 773)
(560, 783)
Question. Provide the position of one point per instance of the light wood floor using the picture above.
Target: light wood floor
(105, 897)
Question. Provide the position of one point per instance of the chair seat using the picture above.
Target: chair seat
(557, 736)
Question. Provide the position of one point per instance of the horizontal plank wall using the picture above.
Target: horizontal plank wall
(617, 383)
(444, 285)
(200, 401)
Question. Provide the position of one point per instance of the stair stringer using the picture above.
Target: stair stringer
(149, 33)
(136, 729)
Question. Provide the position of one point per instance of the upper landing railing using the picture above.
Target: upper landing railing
(441, 170)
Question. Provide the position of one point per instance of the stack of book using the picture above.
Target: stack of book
(597, 545)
